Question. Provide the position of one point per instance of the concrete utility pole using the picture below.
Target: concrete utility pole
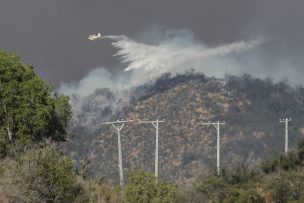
(286, 120)
(118, 125)
(155, 124)
(217, 127)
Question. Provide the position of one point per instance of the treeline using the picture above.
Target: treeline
(167, 81)
(42, 174)
(278, 99)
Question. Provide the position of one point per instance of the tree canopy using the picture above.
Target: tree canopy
(30, 109)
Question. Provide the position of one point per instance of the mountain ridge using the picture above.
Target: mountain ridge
(251, 107)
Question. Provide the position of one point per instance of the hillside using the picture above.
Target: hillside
(251, 107)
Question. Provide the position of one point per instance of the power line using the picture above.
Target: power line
(286, 120)
(118, 125)
(155, 124)
(216, 125)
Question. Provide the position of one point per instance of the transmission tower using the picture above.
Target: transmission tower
(286, 120)
(118, 125)
(217, 127)
(155, 124)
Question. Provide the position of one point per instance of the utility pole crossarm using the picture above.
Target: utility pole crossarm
(117, 122)
(148, 121)
(153, 122)
(285, 120)
(213, 123)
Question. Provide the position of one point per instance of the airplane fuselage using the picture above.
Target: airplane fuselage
(94, 37)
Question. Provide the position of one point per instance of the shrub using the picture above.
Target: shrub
(142, 188)
(38, 175)
(100, 191)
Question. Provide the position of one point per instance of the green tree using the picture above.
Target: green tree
(30, 110)
(142, 188)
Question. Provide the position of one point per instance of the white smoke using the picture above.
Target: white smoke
(177, 52)
(174, 51)
(95, 79)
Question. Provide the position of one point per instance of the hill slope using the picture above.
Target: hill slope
(250, 106)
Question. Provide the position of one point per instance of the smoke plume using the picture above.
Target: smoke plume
(174, 51)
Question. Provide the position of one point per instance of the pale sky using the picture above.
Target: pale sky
(52, 34)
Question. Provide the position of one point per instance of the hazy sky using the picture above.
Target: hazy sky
(52, 34)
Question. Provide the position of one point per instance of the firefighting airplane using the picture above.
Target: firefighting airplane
(94, 37)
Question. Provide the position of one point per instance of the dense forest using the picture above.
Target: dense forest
(35, 135)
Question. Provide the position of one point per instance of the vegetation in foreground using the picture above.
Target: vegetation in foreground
(33, 169)
(42, 174)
